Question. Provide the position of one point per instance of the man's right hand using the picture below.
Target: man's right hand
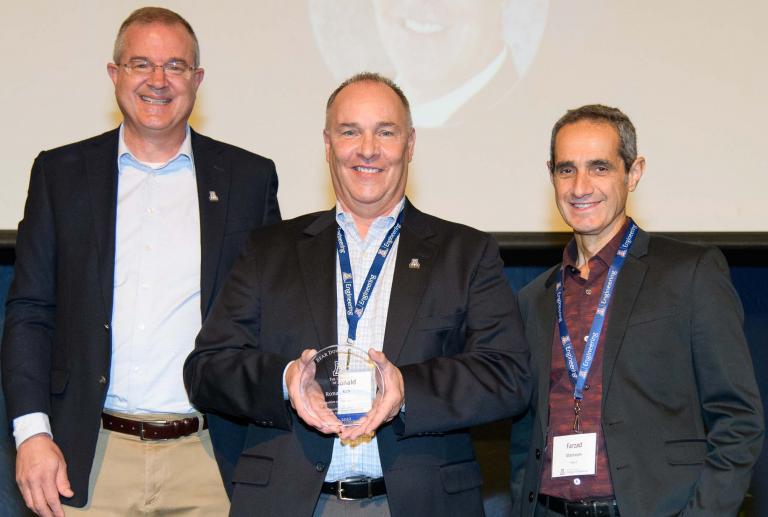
(309, 405)
(41, 474)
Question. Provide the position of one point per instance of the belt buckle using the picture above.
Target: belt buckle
(609, 506)
(353, 479)
(142, 435)
(340, 492)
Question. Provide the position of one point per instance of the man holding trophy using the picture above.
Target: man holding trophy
(361, 343)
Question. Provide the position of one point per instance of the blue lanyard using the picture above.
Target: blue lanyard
(355, 310)
(579, 378)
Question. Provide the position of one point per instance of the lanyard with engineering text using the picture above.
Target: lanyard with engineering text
(579, 377)
(355, 310)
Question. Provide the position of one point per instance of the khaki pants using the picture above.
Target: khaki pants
(131, 477)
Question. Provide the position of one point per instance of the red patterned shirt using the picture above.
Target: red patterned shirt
(581, 297)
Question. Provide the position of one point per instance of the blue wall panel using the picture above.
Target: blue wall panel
(750, 282)
(11, 504)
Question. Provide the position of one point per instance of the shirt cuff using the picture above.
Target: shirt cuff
(27, 426)
(285, 386)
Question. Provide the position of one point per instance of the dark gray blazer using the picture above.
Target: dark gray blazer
(681, 411)
(453, 329)
(57, 343)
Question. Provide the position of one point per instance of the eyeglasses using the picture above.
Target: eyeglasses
(145, 67)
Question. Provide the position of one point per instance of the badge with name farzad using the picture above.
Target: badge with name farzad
(341, 381)
(574, 455)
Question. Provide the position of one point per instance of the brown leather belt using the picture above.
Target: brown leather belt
(149, 430)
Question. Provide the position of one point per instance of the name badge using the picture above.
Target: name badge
(356, 391)
(574, 455)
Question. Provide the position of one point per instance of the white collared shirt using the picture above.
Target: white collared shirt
(438, 111)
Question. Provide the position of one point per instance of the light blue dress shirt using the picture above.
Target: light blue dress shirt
(362, 459)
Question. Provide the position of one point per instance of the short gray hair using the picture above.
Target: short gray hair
(605, 114)
(374, 78)
(148, 15)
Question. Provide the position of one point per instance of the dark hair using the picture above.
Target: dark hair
(374, 78)
(147, 15)
(605, 114)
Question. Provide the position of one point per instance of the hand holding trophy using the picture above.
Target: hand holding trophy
(338, 386)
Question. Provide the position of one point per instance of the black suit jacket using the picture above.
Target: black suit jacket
(681, 412)
(453, 329)
(57, 340)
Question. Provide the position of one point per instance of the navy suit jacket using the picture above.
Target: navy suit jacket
(57, 340)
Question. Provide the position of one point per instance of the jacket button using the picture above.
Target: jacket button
(538, 453)
(530, 497)
(319, 466)
(102, 380)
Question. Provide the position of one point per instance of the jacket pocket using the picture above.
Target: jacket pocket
(253, 470)
(685, 452)
(59, 380)
(446, 321)
(459, 477)
(648, 316)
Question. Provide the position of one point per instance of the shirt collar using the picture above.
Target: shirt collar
(182, 159)
(379, 226)
(436, 112)
(604, 256)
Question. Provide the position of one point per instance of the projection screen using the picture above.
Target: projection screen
(487, 79)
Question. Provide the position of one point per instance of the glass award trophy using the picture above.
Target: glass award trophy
(340, 381)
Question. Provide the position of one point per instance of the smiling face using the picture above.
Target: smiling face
(368, 145)
(590, 179)
(157, 105)
(436, 45)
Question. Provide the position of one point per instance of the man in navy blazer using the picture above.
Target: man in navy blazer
(441, 322)
(125, 241)
(667, 419)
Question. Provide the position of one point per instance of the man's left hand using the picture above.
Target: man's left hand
(385, 407)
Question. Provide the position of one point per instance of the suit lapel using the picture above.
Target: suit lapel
(317, 261)
(627, 288)
(542, 353)
(408, 284)
(101, 172)
(213, 179)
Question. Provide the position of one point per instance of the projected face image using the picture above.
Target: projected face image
(435, 45)
(457, 60)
